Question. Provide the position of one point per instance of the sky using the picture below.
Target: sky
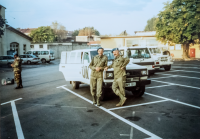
(107, 16)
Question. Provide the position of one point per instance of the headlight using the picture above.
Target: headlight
(109, 75)
(144, 72)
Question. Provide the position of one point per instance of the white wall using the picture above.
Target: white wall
(37, 46)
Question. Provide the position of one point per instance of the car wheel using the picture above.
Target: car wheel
(43, 60)
(139, 92)
(75, 84)
(28, 62)
(167, 68)
(48, 61)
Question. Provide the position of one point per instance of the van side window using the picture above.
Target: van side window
(44, 52)
(29, 52)
(35, 52)
(86, 57)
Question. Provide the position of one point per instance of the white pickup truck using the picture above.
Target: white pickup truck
(75, 67)
(139, 55)
(162, 58)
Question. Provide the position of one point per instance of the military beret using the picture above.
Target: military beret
(99, 48)
(114, 49)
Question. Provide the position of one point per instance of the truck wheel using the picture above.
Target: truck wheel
(48, 61)
(105, 92)
(28, 62)
(167, 68)
(75, 85)
(43, 60)
(139, 92)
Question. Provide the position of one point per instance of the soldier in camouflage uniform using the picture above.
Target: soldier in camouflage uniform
(17, 71)
(119, 66)
(97, 65)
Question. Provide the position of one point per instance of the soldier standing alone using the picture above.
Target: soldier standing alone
(17, 71)
(97, 65)
(119, 66)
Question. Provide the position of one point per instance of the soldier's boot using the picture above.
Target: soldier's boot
(94, 100)
(21, 86)
(119, 104)
(98, 101)
(122, 100)
(18, 86)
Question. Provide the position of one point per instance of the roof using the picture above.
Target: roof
(2, 6)
(18, 32)
(27, 30)
(94, 42)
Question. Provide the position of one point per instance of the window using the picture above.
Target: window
(32, 46)
(138, 53)
(107, 53)
(44, 52)
(10, 57)
(178, 47)
(171, 47)
(24, 48)
(5, 57)
(86, 57)
(41, 46)
(155, 50)
(29, 52)
(1, 57)
(36, 52)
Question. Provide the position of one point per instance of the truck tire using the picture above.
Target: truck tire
(75, 84)
(48, 61)
(105, 93)
(139, 92)
(167, 68)
(43, 60)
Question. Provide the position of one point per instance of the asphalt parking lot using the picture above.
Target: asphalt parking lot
(49, 108)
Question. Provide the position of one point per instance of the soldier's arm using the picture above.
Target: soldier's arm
(16, 63)
(91, 66)
(105, 65)
(111, 66)
(126, 61)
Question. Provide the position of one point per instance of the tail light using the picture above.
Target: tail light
(152, 66)
(157, 62)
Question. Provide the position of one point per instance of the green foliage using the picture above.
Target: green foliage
(179, 22)
(75, 33)
(123, 33)
(2, 23)
(88, 31)
(43, 34)
(151, 24)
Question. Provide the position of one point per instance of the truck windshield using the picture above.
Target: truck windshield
(107, 53)
(138, 53)
(155, 50)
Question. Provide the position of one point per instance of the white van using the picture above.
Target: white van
(162, 58)
(44, 55)
(75, 67)
(139, 55)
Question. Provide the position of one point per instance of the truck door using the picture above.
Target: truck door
(85, 68)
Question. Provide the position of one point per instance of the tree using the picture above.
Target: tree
(2, 23)
(179, 22)
(124, 33)
(59, 30)
(151, 25)
(43, 34)
(75, 33)
(88, 31)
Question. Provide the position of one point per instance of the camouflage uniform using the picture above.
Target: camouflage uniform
(17, 71)
(96, 77)
(118, 85)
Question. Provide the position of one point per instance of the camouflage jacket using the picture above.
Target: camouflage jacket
(98, 61)
(17, 65)
(117, 64)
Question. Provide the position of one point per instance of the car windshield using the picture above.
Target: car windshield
(155, 50)
(107, 53)
(138, 53)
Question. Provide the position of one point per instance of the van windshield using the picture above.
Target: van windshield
(138, 53)
(107, 53)
(155, 50)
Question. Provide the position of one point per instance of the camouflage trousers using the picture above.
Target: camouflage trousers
(96, 86)
(118, 85)
(18, 77)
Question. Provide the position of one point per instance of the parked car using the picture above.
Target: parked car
(44, 55)
(30, 58)
(139, 55)
(75, 67)
(6, 60)
(162, 58)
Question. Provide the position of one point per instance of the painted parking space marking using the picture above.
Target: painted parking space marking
(183, 71)
(158, 86)
(152, 136)
(18, 127)
(176, 76)
(138, 105)
(186, 67)
(176, 84)
(164, 77)
(173, 100)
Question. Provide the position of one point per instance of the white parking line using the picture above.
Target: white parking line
(183, 71)
(164, 77)
(175, 76)
(173, 100)
(176, 84)
(152, 136)
(186, 67)
(137, 105)
(158, 86)
(187, 64)
(18, 127)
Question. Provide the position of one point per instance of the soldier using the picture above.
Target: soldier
(17, 71)
(119, 66)
(97, 65)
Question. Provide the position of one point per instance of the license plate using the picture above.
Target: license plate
(131, 84)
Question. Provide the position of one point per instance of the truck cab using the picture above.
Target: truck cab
(139, 55)
(162, 58)
(75, 67)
